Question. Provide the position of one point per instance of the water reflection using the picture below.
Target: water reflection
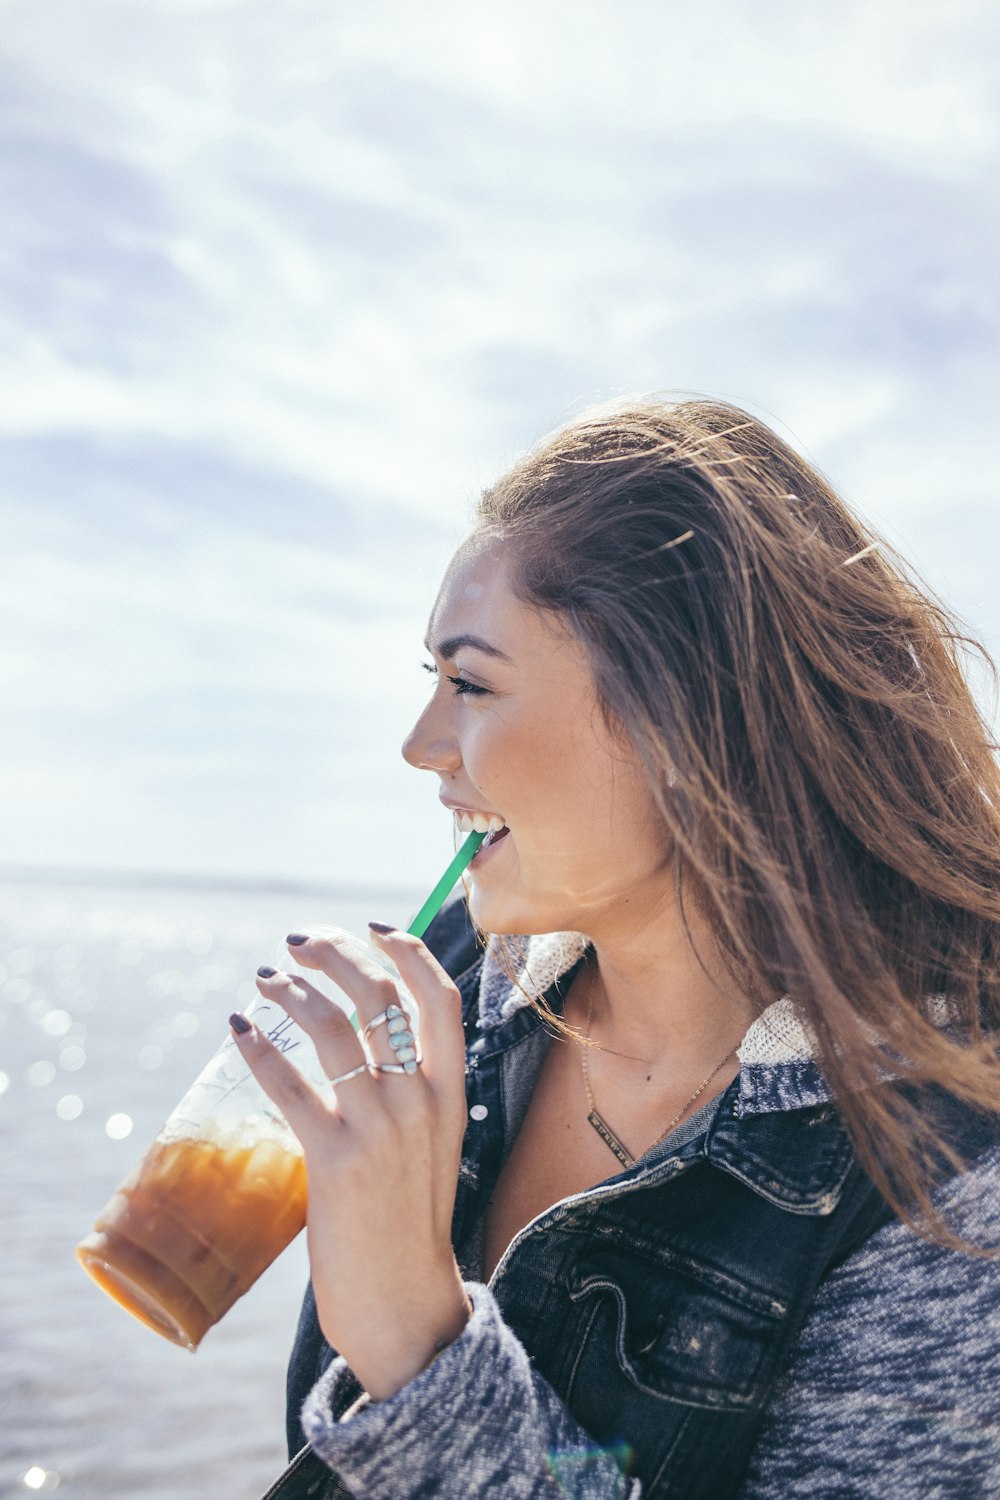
(155, 978)
(37, 1478)
(57, 1022)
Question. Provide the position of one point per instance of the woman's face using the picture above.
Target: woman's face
(513, 730)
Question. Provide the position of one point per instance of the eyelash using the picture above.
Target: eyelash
(463, 687)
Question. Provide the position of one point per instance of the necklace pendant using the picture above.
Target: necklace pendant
(610, 1139)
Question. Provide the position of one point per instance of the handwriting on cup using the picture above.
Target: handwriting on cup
(279, 1035)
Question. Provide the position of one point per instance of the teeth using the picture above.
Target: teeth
(479, 822)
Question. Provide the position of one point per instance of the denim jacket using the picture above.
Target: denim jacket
(633, 1334)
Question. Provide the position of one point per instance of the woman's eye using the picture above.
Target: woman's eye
(463, 685)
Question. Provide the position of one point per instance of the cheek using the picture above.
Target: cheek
(608, 783)
(501, 758)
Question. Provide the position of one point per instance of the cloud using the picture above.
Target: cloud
(281, 289)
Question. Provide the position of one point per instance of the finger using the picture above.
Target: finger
(338, 1046)
(349, 963)
(301, 1104)
(442, 1038)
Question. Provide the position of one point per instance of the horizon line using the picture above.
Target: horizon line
(192, 880)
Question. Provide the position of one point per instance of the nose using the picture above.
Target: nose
(430, 744)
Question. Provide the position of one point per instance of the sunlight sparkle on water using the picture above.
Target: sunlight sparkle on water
(40, 1479)
(166, 983)
(72, 1058)
(57, 1022)
(4, 1083)
(41, 1073)
(69, 1107)
(119, 1126)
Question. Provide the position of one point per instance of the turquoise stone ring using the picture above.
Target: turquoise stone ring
(401, 1040)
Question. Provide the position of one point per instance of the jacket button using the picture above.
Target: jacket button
(478, 1112)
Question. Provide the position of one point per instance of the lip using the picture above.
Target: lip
(467, 819)
(465, 807)
(486, 852)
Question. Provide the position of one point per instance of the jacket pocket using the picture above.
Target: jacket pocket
(681, 1332)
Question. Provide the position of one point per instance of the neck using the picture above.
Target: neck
(660, 996)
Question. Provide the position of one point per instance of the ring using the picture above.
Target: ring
(401, 1040)
(410, 1066)
(393, 1016)
(352, 1073)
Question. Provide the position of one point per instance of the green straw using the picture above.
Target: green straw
(439, 894)
(436, 899)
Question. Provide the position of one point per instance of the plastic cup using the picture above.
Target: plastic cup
(222, 1189)
(217, 1197)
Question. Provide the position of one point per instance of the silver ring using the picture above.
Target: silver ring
(351, 1073)
(410, 1066)
(391, 1013)
(401, 1040)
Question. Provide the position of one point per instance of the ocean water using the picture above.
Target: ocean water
(111, 1000)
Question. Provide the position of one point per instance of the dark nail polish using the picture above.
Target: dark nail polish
(295, 938)
(382, 927)
(239, 1023)
(266, 972)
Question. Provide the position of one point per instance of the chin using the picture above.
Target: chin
(507, 914)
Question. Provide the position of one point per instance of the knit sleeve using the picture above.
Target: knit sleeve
(894, 1386)
(478, 1421)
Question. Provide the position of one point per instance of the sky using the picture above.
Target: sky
(283, 287)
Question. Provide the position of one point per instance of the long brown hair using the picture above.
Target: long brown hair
(828, 786)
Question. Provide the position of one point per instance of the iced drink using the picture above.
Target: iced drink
(193, 1227)
(216, 1198)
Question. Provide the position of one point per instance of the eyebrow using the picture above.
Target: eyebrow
(446, 649)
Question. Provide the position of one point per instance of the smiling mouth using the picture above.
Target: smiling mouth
(491, 824)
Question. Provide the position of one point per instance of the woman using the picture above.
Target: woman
(690, 1194)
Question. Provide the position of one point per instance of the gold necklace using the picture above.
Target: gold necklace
(601, 1125)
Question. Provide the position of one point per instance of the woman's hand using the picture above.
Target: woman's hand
(382, 1154)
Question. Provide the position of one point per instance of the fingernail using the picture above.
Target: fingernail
(239, 1023)
(266, 972)
(295, 938)
(382, 927)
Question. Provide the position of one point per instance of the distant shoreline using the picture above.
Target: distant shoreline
(186, 881)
